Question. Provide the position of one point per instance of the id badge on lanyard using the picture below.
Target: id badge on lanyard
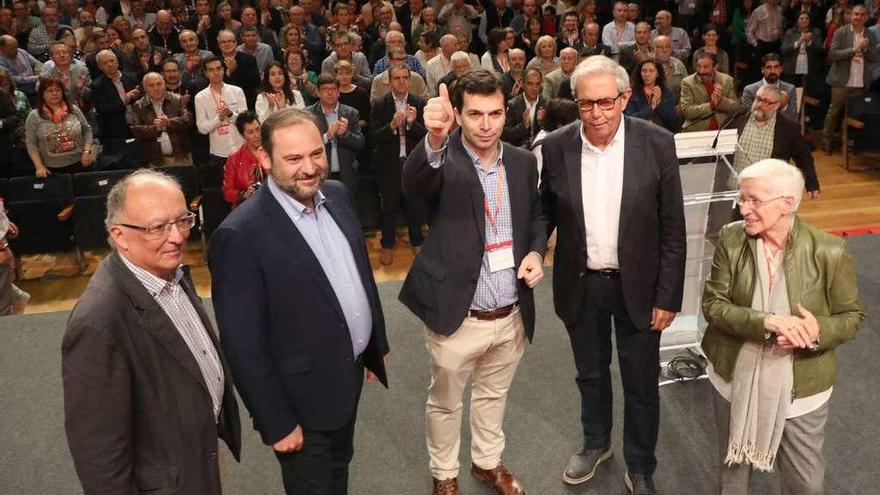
(500, 253)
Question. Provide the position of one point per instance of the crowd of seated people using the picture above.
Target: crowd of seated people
(83, 83)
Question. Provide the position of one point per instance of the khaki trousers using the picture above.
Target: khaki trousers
(836, 110)
(799, 459)
(487, 354)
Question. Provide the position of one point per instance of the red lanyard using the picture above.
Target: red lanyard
(490, 216)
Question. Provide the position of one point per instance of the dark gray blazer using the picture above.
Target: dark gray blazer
(652, 243)
(137, 412)
(750, 91)
(515, 132)
(440, 286)
(841, 55)
(348, 145)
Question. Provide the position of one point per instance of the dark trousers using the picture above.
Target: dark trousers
(217, 161)
(392, 202)
(321, 466)
(638, 351)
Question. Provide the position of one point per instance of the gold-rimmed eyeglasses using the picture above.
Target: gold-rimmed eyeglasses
(163, 230)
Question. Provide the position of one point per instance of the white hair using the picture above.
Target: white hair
(781, 177)
(459, 55)
(600, 65)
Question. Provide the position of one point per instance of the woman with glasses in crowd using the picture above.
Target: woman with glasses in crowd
(302, 80)
(57, 134)
(276, 93)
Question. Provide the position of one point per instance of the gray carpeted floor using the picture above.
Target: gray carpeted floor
(542, 419)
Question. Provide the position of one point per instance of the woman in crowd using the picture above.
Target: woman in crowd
(803, 57)
(429, 24)
(351, 94)
(224, 15)
(528, 39)
(651, 99)
(291, 39)
(429, 46)
(781, 297)
(710, 45)
(123, 28)
(303, 80)
(20, 100)
(495, 58)
(276, 93)
(242, 174)
(545, 59)
(58, 136)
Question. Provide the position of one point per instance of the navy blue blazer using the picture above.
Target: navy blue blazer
(280, 323)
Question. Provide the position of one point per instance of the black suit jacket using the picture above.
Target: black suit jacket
(651, 243)
(443, 278)
(385, 139)
(110, 107)
(347, 146)
(131, 63)
(788, 144)
(246, 76)
(515, 132)
(138, 414)
(280, 322)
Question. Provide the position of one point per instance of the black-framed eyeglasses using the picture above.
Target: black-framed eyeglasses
(163, 230)
(603, 104)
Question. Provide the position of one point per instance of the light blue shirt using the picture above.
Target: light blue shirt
(330, 246)
(331, 118)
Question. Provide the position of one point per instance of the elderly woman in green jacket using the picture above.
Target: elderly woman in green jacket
(781, 297)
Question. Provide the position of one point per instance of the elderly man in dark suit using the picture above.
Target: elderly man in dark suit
(339, 126)
(397, 125)
(611, 187)
(146, 388)
(472, 282)
(162, 123)
(524, 111)
(297, 307)
(111, 93)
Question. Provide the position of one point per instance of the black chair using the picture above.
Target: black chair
(42, 209)
(861, 127)
(212, 207)
(90, 208)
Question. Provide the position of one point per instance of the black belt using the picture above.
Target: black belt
(493, 314)
(605, 273)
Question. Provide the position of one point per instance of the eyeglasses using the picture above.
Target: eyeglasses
(765, 101)
(603, 104)
(754, 203)
(163, 230)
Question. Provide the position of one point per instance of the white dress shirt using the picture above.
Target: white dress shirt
(602, 189)
(223, 136)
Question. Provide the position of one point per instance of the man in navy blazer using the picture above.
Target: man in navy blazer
(297, 307)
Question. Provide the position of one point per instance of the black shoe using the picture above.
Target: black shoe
(639, 484)
(582, 466)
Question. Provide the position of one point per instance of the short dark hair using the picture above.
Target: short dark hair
(710, 27)
(170, 60)
(250, 29)
(327, 78)
(281, 119)
(209, 59)
(571, 13)
(770, 57)
(476, 82)
(711, 56)
(245, 118)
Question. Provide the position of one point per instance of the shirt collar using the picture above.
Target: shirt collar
(335, 109)
(476, 158)
(154, 285)
(402, 100)
(294, 208)
(618, 138)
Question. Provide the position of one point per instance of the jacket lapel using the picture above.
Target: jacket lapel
(155, 321)
(464, 165)
(633, 155)
(572, 158)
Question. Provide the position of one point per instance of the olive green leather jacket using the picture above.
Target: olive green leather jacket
(819, 274)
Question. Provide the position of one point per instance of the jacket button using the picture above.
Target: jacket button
(212, 455)
(581, 275)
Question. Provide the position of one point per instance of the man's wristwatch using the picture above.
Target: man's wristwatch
(4, 245)
(88, 152)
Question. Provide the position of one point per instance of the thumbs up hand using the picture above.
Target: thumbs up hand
(439, 118)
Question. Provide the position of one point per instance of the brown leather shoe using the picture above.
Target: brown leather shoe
(499, 478)
(446, 487)
(386, 257)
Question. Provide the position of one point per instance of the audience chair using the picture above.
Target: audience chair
(861, 128)
(42, 209)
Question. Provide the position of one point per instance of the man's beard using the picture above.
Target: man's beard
(707, 78)
(298, 193)
(771, 78)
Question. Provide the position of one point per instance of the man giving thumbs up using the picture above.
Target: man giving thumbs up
(472, 282)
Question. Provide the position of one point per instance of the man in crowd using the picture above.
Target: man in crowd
(591, 45)
(556, 82)
(137, 341)
(853, 50)
(239, 68)
(764, 28)
(397, 126)
(441, 64)
(767, 132)
(301, 321)
(251, 45)
(163, 34)
(216, 107)
(75, 76)
(569, 34)
(341, 131)
(161, 121)
(514, 77)
(44, 34)
(382, 83)
(619, 32)
(145, 57)
(472, 282)
(529, 10)
(681, 42)
(708, 97)
(771, 68)
(461, 64)
(620, 255)
(110, 94)
(342, 51)
(395, 39)
(21, 65)
(642, 49)
(673, 68)
(524, 111)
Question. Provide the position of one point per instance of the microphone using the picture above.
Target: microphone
(729, 121)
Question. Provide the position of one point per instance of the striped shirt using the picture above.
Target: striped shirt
(177, 305)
